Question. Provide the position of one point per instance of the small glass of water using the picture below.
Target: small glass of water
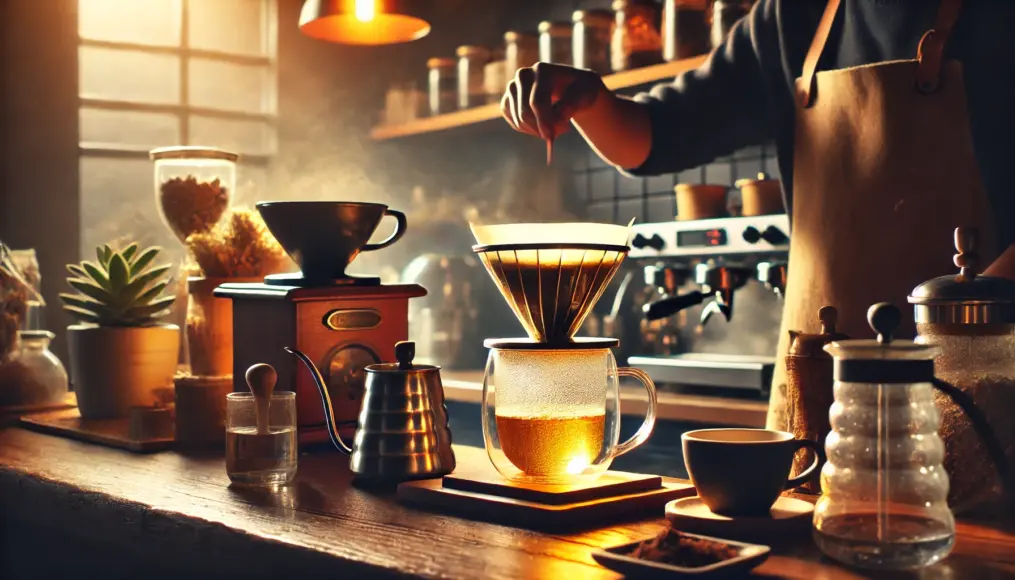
(261, 459)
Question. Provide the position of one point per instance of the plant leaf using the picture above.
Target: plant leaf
(118, 272)
(77, 270)
(82, 314)
(129, 252)
(107, 254)
(153, 274)
(151, 293)
(143, 259)
(91, 290)
(96, 274)
(79, 300)
(148, 311)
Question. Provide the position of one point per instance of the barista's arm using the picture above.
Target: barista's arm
(1004, 265)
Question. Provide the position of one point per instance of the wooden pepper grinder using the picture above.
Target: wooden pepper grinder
(809, 384)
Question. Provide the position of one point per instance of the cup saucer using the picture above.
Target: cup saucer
(788, 516)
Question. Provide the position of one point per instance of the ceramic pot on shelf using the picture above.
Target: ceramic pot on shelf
(210, 327)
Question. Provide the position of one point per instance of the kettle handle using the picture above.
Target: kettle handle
(329, 412)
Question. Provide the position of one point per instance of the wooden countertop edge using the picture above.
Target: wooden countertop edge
(467, 387)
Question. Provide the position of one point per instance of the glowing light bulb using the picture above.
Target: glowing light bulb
(366, 10)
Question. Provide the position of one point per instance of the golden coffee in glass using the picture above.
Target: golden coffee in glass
(544, 445)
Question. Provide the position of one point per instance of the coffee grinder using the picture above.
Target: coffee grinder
(342, 322)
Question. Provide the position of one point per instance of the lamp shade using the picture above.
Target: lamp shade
(364, 22)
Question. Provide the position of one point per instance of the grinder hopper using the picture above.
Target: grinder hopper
(552, 274)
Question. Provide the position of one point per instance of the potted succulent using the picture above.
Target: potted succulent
(121, 356)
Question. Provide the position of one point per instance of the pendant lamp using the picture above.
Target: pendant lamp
(364, 22)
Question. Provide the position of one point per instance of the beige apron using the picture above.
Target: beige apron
(883, 172)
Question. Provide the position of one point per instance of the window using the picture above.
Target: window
(154, 73)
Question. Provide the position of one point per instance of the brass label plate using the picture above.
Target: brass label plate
(352, 319)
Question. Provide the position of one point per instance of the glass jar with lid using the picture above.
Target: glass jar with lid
(591, 39)
(970, 319)
(471, 88)
(442, 84)
(520, 50)
(685, 29)
(884, 489)
(193, 187)
(33, 375)
(637, 41)
(555, 42)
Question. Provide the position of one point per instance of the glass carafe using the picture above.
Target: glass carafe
(551, 414)
(884, 489)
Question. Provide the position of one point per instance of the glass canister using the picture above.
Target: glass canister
(971, 319)
(555, 42)
(520, 50)
(33, 375)
(193, 187)
(551, 413)
(590, 46)
(725, 14)
(637, 41)
(685, 29)
(442, 85)
(471, 87)
(884, 489)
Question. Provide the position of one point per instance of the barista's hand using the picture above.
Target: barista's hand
(542, 99)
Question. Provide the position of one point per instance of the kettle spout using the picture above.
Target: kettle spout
(329, 412)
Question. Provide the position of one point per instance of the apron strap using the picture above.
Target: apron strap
(930, 53)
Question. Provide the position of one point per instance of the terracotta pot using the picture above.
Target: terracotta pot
(699, 202)
(761, 197)
(210, 327)
(116, 368)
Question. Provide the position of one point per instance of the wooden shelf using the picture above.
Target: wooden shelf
(486, 113)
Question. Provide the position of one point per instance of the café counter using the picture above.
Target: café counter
(70, 509)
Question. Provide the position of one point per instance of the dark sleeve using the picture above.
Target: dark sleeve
(718, 108)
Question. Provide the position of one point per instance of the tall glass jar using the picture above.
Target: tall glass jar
(555, 42)
(637, 41)
(971, 320)
(591, 39)
(193, 187)
(685, 29)
(471, 87)
(520, 50)
(884, 489)
(442, 85)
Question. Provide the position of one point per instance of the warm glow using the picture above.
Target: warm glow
(577, 464)
(366, 10)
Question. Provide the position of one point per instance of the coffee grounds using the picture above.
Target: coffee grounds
(677, 549)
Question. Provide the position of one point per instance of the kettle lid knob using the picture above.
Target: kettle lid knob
(884, 318)
(967, 258)
(828, 316)
(405, 351)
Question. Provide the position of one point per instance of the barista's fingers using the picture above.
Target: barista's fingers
(507, 107)
(541, 101)
(524, 79)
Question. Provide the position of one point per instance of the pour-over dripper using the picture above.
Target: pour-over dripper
(552, 282)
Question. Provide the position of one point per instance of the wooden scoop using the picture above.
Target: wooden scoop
(261, 380)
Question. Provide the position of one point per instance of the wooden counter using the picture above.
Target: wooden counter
(96, 512)
(467, 387)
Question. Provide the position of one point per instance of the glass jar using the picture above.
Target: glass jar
(971, 320)
(725, 14)
(551, 414)
(261, 458)
(520, 50)
(442, 82)
(591, 39)
(636, 38)
(495, 80)
(193, 187)
(32, 375)
(884, 489)
(685, 29)
(555, 42)
(471, 87)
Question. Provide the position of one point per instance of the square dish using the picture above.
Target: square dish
(744, 558)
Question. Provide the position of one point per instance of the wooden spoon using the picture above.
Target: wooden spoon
(261, 380)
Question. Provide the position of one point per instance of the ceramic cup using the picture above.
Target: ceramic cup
(742, 471)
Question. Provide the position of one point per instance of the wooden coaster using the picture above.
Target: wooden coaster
(111, 433)
(788, 516)
(610, 484)
(11, 414)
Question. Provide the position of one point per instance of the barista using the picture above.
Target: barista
(892, 122)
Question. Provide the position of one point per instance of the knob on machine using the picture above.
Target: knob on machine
(655, 241)
(771, 234)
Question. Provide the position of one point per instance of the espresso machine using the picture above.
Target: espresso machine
(701, 309)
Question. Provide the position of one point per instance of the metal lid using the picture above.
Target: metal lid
(965, 298)
(468, 50)
(558, 29)
(441, 62)
(515, 36)
(191, 152)
(580, 343)
(405, 351)
(813, 345)
(600, 17)
(883, 360)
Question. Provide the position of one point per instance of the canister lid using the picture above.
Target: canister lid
(441, 62)
(557, 29)
(191, 152)
(804, 344)
(965, 298)
(471, 51)
(883, 360)
(520, 37)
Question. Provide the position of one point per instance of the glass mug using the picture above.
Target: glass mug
(551, 414)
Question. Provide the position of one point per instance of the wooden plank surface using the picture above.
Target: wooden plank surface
(484, 113)
(169, 507)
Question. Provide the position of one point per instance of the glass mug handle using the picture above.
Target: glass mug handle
(650, 413)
